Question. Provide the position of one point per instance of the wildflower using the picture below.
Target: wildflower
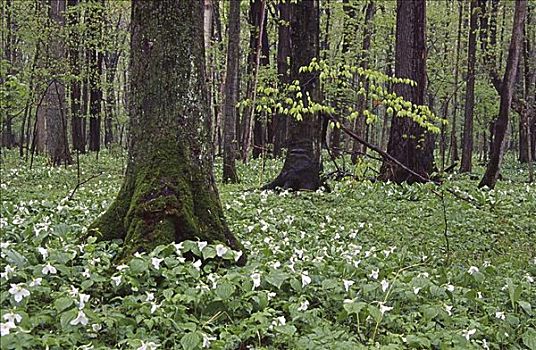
(84, 298)
(86, 273)
(448, 309)
(305, 279)
(450, 287)
(35, 282)
(121, 267)
(201, 245)
(43, 252)
(374, 274)
(116, 280)
(80, 319)
(469, 333)
(154, 306)
(348, 301)
(12, 318)
(96, 327)
(276, 265)
(8, 270)
(49, 269)
(74, 291)
(19, 292)
(256, 278)
(416, 290)
(156, 262)
(500, 315)
(384, 309)
(237, 255)
(207, 340)
(178, 247)
(197, 264)
(221, 250)
(472, 270)
(148, 346)
(303, 306)
(347, 284)
(529, 278)
(271, 295)
(6, 327)
(150, 296)
(385, 285)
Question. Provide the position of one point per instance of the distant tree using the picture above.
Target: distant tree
(506, 91)
(95, 56)
(301, 169)
(467, 144)
(53, 108)
(409, 143)
(169, 193)
(231, 94)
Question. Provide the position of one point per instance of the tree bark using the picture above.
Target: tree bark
(301, 170)
(454, 157)
(231, 94)
(96, 57)
(507, 90)
(52, 111)
(169, 193)
(409, 142)
(283, 53)
(467, 147)
(260, 119)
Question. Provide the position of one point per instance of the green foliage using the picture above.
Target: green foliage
(361, 267)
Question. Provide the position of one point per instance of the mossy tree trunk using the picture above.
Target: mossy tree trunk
(169, 193)
(301, 170)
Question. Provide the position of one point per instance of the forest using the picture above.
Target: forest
(268, 174)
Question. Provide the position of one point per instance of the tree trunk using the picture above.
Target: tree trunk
(52, 111)
(507, 89)
(231, 94)
(301, 170)
(95, 20)
(283, 52)
(360, 122)
(169, 193)
(467, 147)
(260, 120)
(454, 157)
(76, 83)
(409, 142)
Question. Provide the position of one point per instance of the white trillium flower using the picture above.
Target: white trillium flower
(450, 287)
(150, 296)
(256, 278)
(347, 284)
(303, 306)
(6, 327)
(500, 315)
(86, 273)
(197, 264)
(206, 340)
(84, 298)
(529, 278)
(96, 327)
(13, 318)
(485, 344)
(80, 319)
(472, 270)
(276, 265)
(448, 309)
(237, 255)
(384, 309)
(121, 267)
(36, 282)
(49, 269)
(305, 279)
(416, 290)
(43, 252)
(116, 280)
(374, 274)
(19, 292)
(156, 262)
(178, 247)
(221, 250)
(201, 245)
(348, 301)
(154, 306)
(469, 333)
(271, 295)
(148, 346)
(385, 285)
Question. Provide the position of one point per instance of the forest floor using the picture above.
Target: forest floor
(365, 265)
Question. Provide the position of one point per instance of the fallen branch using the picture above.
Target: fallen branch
(80, 183)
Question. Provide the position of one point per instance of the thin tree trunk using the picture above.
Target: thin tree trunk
(454, 157)
(467, 147)
(507, 89)
(231, 94)
(260, 119)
